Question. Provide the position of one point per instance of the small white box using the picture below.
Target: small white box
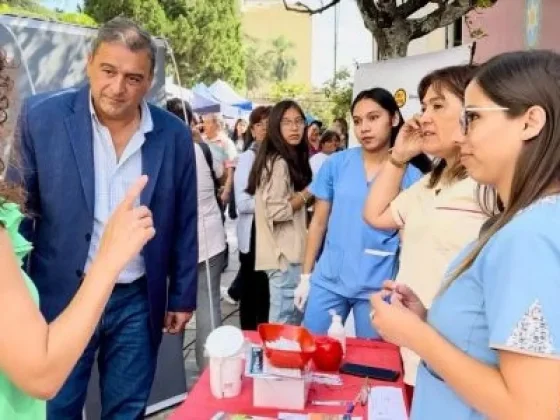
(281, 393)
(281, 388)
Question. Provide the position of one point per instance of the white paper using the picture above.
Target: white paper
(386, 403)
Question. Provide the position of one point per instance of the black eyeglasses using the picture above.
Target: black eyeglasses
(468, 113)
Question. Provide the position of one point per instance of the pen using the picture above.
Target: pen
(387, 298)
(329, 403)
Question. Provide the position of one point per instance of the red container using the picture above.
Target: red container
(328, 355)
(286, 358)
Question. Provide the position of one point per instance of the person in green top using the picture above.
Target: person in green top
(37, 357)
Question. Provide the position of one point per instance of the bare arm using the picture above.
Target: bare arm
(51, 351)
(230, 164)
(377, 211)
(38, 357)
(316, 234)
(229, 180)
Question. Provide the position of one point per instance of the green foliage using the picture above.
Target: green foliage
(205, 35)
(271, 62)
(485, 3)
(331, 101)
(282, 63)
(149, 13)
(257, 65)
(206, 40)
(286, 90)
(77, 19)
(339, 92)
(30, 9)
(29, 5)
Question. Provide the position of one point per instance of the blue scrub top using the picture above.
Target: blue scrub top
(356, 258)
(507, 300)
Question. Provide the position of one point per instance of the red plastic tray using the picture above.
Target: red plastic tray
(286, 358)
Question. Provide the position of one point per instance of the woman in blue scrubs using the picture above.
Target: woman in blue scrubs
(490, 342)
(356, 258)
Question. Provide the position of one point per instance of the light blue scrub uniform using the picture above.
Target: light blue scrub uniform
(356, 258)
(509, 299)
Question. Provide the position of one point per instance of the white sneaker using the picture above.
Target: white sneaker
(225, 295)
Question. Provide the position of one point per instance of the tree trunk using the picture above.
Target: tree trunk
(392, 42)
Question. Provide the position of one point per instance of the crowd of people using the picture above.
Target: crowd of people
(438, 233)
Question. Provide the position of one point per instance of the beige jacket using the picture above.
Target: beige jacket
(281, 232)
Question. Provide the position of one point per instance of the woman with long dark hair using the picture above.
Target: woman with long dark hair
(254, 302)
(356, 258)
(440, 214)
(279, 180)
(489, 343)
(239, 133)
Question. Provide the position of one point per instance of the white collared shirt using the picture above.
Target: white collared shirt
(113, 178)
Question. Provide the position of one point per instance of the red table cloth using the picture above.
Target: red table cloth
(201, 405)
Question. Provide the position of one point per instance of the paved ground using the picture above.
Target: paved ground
(230, 315)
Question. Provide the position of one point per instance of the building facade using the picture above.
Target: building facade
(265, 20)
(515, 25)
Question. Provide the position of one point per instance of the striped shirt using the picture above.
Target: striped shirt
(113, 178)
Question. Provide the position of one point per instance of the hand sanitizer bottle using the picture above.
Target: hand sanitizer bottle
(336, 330)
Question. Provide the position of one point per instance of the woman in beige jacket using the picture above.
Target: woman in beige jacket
(279, 180)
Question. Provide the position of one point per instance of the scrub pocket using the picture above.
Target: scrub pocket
(379, 260)
(331, 262)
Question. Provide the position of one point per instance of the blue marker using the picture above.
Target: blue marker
(387, 298)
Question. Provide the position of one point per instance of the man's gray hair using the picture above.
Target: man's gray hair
(128, 33)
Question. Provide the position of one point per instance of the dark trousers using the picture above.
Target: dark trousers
(234, 290)
(255, 296)
(127, 357)
(232, 207)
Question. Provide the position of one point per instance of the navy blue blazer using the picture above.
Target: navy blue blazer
(57, 171)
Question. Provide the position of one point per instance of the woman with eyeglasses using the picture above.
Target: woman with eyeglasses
(278, 181)
(356, 258)
(440, 214)
(489, 343)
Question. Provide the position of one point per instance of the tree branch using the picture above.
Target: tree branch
(410, 7)
(303, 8)
(369, 13)
(443, 16)
(387, 6)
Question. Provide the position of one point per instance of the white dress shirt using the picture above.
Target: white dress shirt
(113, 178)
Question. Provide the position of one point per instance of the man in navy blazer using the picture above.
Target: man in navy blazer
(81, 149)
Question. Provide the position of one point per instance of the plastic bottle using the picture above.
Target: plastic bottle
(336, 330)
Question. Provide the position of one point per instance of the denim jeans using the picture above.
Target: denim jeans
(127, 356)
(282, 286)
(203, 307)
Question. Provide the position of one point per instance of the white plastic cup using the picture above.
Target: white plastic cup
(225, 347)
